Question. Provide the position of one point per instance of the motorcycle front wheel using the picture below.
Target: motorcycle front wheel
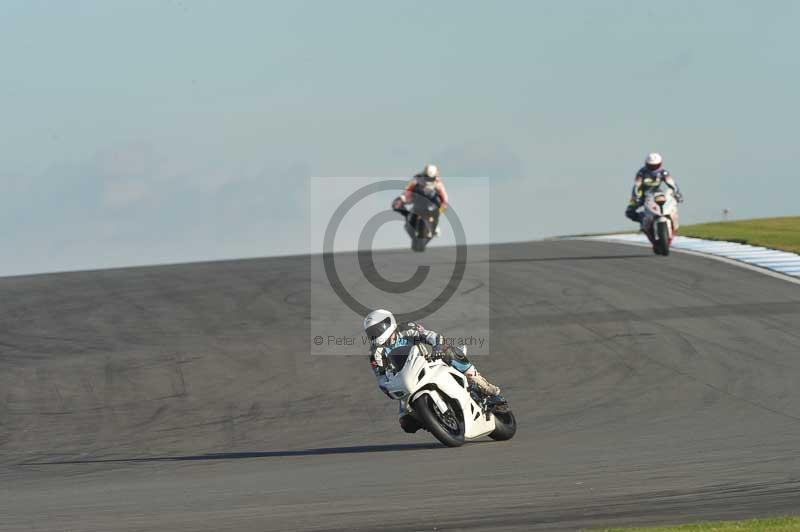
(447, 427)
(662, 230)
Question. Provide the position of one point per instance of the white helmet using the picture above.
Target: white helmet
(431, 171)
(379, 326)
(653, 161)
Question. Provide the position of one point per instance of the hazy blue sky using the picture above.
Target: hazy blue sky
(162, 131)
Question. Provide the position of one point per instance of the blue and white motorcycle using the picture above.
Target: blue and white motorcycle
(441, 400)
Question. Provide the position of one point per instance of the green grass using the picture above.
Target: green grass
(775, 233)
(779, 524)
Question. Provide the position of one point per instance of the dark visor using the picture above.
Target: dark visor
(374, 331)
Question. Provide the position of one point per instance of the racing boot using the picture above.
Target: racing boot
(399, 206)
(494, 401)
(409, 424)
(482, 385)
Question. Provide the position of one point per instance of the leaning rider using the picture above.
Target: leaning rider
(427, 183)
(386, 334)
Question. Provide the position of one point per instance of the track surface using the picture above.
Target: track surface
(647, 389)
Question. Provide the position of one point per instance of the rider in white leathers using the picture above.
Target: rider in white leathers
(386, 334)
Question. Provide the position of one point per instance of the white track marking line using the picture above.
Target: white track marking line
(774, 263)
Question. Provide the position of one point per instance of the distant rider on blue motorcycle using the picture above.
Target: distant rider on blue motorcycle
(650, 177)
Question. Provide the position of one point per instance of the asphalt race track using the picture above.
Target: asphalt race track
(176, 398)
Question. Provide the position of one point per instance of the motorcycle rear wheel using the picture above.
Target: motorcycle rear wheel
(449, 430)
(505, 426)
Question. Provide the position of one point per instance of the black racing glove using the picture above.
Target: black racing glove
(441, 353)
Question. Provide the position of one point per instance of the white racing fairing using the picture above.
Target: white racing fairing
(660, 218)
(439, 389)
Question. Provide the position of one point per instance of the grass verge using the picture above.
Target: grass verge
(775, 233)
(778, 524)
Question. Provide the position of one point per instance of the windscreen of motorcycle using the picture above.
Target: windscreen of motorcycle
(397, 357)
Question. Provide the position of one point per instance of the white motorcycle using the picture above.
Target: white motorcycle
(660, 218)
(439, 397)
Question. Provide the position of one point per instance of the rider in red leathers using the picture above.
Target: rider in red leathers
(427, 183)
